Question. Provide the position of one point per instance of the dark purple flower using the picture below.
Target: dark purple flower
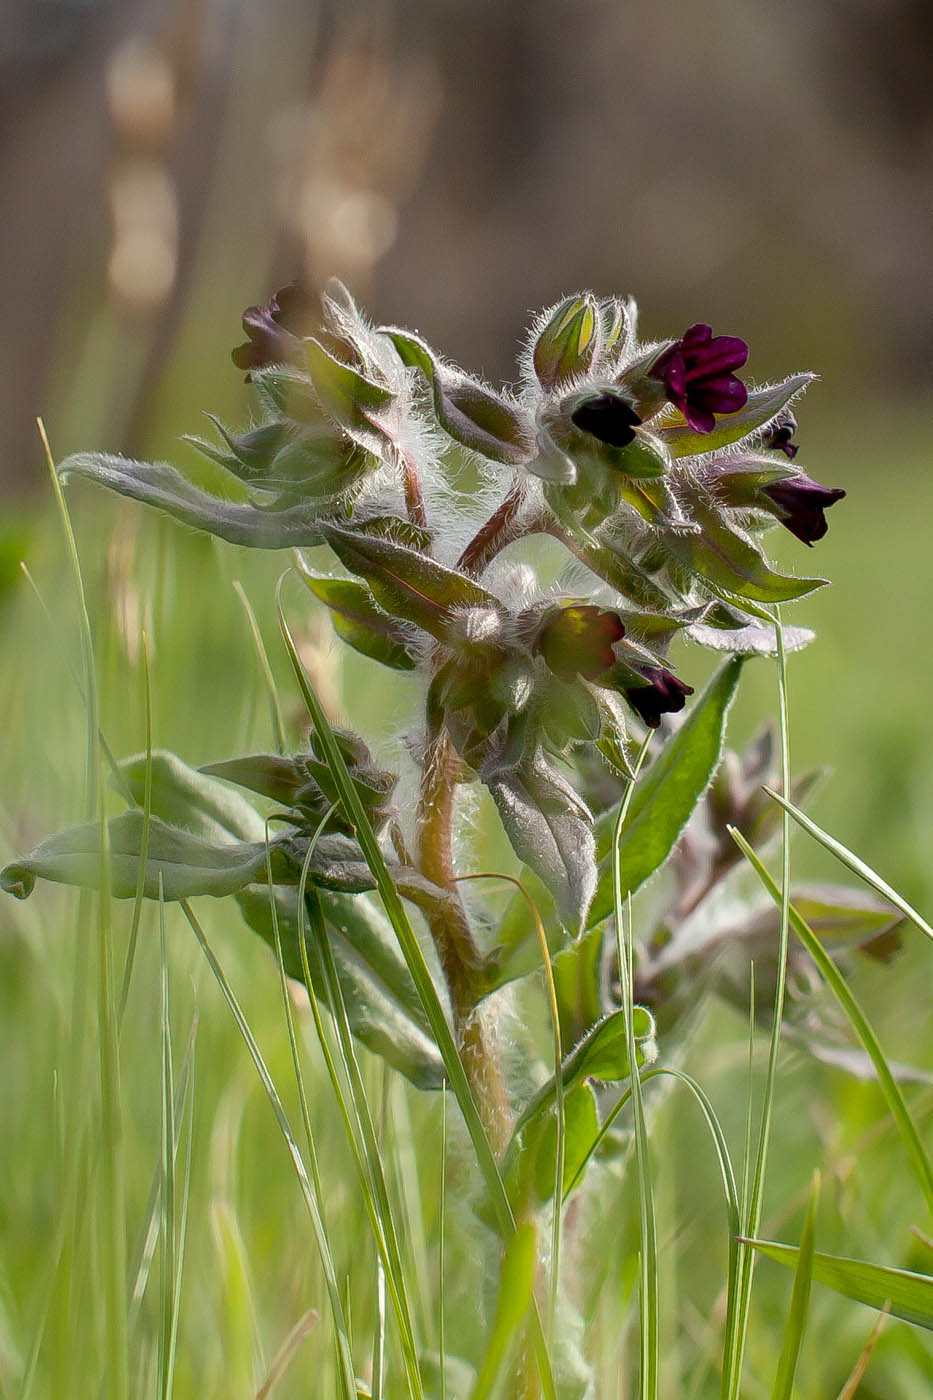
(274, 329)
(800, 505)
(578, 641)
(663, 694)
(697, 374)
(609, 417)
(780, 436)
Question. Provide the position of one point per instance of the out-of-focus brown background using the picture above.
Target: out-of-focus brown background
(460, 162)
(766, 168)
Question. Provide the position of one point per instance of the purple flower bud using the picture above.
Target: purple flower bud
(274, 329)
(578, 641)
(609, 417)
(779, 437)
(800, 505)
(664, 694)
(697, 373)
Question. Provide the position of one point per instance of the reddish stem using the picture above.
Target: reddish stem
(499, 530)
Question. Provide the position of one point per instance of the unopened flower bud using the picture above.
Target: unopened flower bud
(568, 344)
(696, 372)
(779, 437)
(578, 641)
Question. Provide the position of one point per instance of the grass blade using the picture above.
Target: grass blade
(735, 1343)
(345, 1360)
(783, 1388)
(904, 1294)
(837, 984)
(418, 968)
(516, 1292)
(852, 862)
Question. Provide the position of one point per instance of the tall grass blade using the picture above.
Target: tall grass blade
(275, 709)
(143, 840)
(861, 1366)
(906, 1295)
(897, 1105)
(379, 1345)
(852, 862)
(516, 1291)
(559, 1115)
(167, 1192)
(753, 1215)
(418, 968)
(286, 1353)
(345, 1367)
(442, 1247)
(349, 1109)
(783, 1388)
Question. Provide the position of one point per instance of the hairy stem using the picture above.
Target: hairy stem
(453, 938)
(499, 530)
(414, 500)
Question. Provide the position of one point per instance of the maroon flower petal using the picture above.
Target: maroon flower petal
(696, 372)
(801, 503)
(609, 417)
(663, 694)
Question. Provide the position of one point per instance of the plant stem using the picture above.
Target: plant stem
(414, 500)
(499, 530)
(460, 959)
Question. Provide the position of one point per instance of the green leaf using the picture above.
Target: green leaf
(360, 622)
(348, 396)
(162, 486)
(600, 1054)
(667, 793)
(191, 798)
(550, 830)
(727, 559)
(406, 583)
(279, 777)
(910, 1295)
(762, 405)
(179, 863)
(473, 415)
(382, 1004)
(396, 528)
(581, 1125)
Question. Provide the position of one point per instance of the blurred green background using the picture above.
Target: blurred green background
(163, 164)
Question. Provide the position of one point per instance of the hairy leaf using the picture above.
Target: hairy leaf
(762, 405)
(360, 622)
(162, 486)
(473, 415)
(728, 560)
(406, 583)
(551, 830)
(185, 864)
(667, 793)
(192, 798)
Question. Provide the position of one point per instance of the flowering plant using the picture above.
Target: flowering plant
(657, 471)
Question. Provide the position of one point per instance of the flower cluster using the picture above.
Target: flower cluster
(655, 465)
